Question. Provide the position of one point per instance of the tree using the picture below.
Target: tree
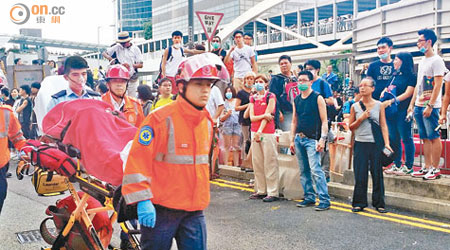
(148, 30)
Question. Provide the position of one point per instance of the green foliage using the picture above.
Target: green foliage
(148, 30)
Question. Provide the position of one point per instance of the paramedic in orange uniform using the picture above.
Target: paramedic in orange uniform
(9, 129)
(167, 171)
(117, 79)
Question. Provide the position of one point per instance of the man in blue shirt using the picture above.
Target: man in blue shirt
(381, 70)
(332, 78)
(75, 72)
(319, 85)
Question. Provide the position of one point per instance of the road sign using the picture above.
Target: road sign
(210, 21)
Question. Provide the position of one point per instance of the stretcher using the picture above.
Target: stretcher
(84, 219)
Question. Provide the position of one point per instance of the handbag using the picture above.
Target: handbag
(389, 94)
(379, 140)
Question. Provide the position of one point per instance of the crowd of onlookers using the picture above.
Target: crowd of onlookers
(379, 110)
(307, 29)
(250, 112)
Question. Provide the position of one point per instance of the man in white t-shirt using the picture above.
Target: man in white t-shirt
(129, 55)
(243, 58)
(427, 102)
(215, 103)
(172, 58)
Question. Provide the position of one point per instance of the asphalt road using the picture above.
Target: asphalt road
(235, 222)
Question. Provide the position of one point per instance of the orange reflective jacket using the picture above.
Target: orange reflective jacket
(9, 129)
(132, 109)
(168, 161)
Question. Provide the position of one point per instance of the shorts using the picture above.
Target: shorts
(231, 129)
(427, 126)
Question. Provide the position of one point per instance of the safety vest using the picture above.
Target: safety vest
(131, 109)
(9, 129)
(168, 161)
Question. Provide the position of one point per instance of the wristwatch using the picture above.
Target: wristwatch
(429, 105)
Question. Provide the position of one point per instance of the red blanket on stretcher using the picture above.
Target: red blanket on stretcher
(93, 128)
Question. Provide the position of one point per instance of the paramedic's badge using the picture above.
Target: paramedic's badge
(146, 135)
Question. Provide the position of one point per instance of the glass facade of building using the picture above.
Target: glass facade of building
(134, 14)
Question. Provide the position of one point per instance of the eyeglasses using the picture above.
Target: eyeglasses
(421, 40)
(365, 85)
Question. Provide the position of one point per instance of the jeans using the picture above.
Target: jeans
(364, 157)
(311, 170)
(3, 185)
(399, 129)
(427, 126)
(188, 228)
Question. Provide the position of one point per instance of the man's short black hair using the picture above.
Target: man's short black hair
(177, 33)
(102, 87)
(314, 63)
(385, 40)
(428, 34)
(306, 73)
(284, 57)
(36, 85)
(248, 34)
(238, 32)
(144, 92)
(26, 88)
(16, 61)
(300, 67)
(74, 62)
(5, 91)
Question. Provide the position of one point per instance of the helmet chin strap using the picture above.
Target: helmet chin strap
(184, 97)
(118, 96)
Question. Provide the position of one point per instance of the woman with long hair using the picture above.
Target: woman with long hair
(400, 128)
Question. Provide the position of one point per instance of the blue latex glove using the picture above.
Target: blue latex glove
(146, 213)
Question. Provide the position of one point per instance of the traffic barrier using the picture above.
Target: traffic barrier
(289, 170)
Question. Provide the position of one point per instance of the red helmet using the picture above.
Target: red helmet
(118, 72)
(203, 66)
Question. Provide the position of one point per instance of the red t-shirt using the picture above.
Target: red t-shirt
(259, 107)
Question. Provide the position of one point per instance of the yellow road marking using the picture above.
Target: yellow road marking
(437, 223)
(231, 186)
(232, 182)
(341, 207)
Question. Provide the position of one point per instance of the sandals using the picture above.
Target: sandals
(357, 209)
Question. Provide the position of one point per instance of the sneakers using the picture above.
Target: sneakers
(420, 173)
(404, 170)
(306, 203)
(391, 170)
(433, 174)
(270, 198)
(322, 207)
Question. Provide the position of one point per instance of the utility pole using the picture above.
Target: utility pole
(191, 23)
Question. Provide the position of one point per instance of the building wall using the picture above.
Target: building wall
(134, 14)
(171, 15)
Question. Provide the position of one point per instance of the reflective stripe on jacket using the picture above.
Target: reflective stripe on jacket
(9, 129)
(132, 109)
(172, 169)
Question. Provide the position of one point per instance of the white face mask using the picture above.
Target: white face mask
(177, 45)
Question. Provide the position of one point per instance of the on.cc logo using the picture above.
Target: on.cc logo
(19, 13)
